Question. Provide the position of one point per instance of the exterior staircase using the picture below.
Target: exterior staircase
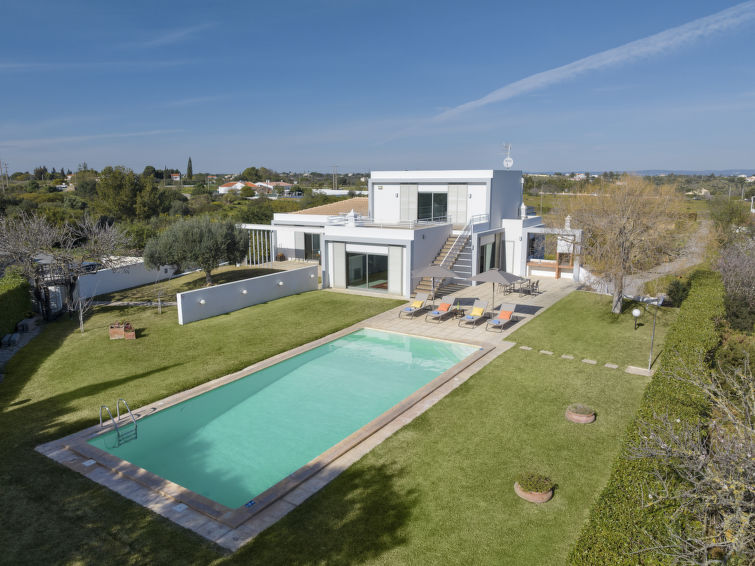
(456, 255)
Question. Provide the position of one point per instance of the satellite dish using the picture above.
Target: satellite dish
(507, 162)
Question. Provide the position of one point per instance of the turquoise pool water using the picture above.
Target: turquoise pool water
(234, 442)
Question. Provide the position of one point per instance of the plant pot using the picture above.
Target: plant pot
(533, 496)
(577, 418)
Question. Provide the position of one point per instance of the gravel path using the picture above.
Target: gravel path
(693, 254)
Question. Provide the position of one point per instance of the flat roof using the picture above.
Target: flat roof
(360, 205)
(433, 175)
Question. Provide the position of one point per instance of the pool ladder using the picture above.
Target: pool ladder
(123, 433)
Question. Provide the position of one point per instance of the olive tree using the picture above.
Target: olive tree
(197, 242)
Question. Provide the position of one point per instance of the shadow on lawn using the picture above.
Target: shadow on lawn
(359, 516)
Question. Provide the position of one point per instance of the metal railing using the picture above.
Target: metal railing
(461, 239)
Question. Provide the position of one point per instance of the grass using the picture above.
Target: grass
(188, 282)
(55, 385)
(440, 490)
(582, 325)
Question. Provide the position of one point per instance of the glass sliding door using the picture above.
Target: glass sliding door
(367, 271)
(312, 246)
(432, 206)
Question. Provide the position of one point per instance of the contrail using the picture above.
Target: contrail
(659, 43)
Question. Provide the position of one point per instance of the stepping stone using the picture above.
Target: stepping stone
(637, 371)
(612, 366)
(567, 356)
(586, 361)
(546, 352)
(525, 348)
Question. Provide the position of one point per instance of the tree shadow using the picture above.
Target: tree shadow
(359, 516)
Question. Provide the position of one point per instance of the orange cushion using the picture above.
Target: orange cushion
(444, 307)
(477, 311)
(505, 315)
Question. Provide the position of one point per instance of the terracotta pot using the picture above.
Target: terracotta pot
(533, 496)
(577, 418)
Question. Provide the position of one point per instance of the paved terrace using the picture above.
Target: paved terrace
(527, 307)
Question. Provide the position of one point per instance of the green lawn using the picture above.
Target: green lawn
(439, 491)
(188, 282)
(582, 325)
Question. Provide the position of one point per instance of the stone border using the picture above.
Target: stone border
(76, 453)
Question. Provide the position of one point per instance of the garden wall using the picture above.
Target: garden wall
(229, 297)
(126, 277)
(619, 527)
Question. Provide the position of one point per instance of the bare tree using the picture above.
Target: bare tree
(627, 227)
(715, 462)
(59, 255)
(737, 266)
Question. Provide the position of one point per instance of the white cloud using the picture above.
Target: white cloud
(659, 43)
(172, 36)
(36, 142)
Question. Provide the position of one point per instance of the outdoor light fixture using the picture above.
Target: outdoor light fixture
(243, 291)
(280, 283)
(636, 314)
(311, 275)
(202, 301)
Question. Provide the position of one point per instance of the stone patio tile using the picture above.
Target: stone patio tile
(567, 356)
(525, 348)
(586, 361)
(546, 352)
(611, 366)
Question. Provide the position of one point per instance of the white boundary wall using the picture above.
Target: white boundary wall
(109, 280)
(230, 297)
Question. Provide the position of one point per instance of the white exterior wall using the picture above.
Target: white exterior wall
(108, 280)
(229, 297)
(386, 203)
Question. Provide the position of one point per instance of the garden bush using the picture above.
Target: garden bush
(620, 529)
(15, 301)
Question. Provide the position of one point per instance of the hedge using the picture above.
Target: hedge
(15, 300)
(618, 526)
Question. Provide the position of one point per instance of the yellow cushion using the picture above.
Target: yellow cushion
(417, 304)
(477, 311)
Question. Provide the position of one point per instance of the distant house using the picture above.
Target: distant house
(175, 176)
(235, 187)
(211, 178)
(750, 179)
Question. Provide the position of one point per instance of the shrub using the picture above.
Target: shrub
(15, 301)
(537, 483)
(580, 409)
(619, 525)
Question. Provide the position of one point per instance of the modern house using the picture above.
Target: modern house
(469, 221)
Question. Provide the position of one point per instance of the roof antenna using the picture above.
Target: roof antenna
(507, 162)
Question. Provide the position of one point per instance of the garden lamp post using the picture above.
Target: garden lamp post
(636, 314)
(658, 303)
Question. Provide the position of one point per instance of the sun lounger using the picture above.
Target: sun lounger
(475, 314)
(444, 310)
(417, 305)
(503, 317)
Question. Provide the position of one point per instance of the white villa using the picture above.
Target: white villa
(469, 221)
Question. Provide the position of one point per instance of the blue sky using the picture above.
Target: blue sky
(378, 85)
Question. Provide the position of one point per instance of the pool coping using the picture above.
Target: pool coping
(74, 452)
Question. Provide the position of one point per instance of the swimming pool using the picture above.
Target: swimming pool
(232, 443)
